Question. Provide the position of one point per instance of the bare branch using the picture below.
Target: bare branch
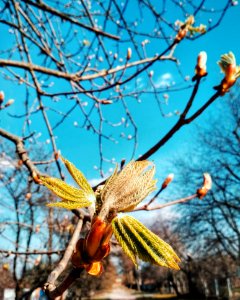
(33, 252)
(75, 76)
(181, 122)
(64, 16)
(22, 152)
(51, 289)
(160, 206)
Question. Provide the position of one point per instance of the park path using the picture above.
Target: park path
(117, 292)
(120, 292)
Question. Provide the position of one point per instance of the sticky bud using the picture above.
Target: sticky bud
(129, 53)
(10, 102)
(106, 102)
(5, 267)
(201, 68)
(207, 185)
(20, 163)
(151, 74)
(36, 177)
(190, 20)
(2, 95)
(95, 236)
(184, 28)
(168, 179)
(38, 260)
(231, 71)
(57, 155)
(37, 228)
(28, 196)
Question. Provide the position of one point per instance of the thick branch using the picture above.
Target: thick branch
(66, 283)
(31, 67)
(75, 76)
(181, 122)
(50, 286)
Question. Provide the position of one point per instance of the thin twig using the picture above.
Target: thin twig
(160, 206)
(64, 16)
(21, 151)
(181, 122)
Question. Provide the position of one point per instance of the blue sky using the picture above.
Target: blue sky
(81, 146)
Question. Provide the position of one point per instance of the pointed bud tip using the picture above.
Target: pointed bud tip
(207, 186)
(129, 53)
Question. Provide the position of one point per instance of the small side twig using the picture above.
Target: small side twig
(154, 197)
(22, 152)
(160, 206)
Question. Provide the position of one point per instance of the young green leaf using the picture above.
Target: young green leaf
(227, 60)
(124, 240)
(138, 241)
(78, 177)
(69, 204)
(125, 190)
(68, 193)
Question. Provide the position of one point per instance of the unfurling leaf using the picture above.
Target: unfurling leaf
(229, 67)
(231, 71)
(78, 177)
(69, 204)
(227, 60)
(62, 189)
(71, 197)
(187, 27)
(108, 183)
(138, 241)
(125, 190)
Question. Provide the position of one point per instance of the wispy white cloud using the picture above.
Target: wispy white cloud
(166, 76)
(6, 163)
(95, 181)
(164, 80)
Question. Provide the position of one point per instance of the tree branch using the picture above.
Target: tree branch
(22, 152)
(64, 16)
(50, 288)
(34, 252)
(74, 76)
(160, 206)
(181, 122)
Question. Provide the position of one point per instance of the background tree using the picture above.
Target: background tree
(86, 65)
(210, 228)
